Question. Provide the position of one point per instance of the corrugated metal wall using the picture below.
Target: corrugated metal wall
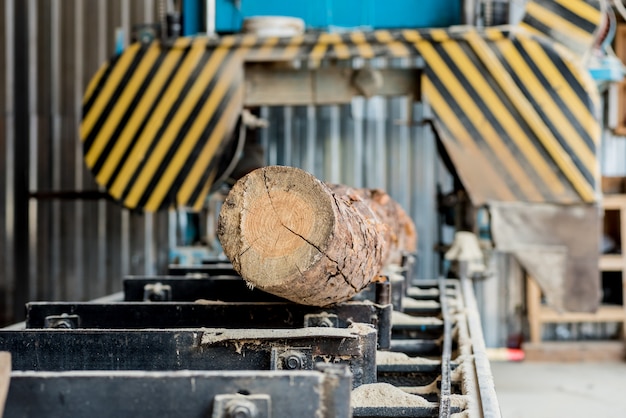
(68, 249)
(368, 143)
(76, 249)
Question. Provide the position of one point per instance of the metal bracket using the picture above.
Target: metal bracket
(287, 358)
(63, 321)
(242, 406)
(157, 292)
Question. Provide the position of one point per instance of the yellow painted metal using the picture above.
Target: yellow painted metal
(514, 109)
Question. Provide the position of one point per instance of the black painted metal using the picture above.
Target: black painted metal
(275, 315)
(139, 394)
(192, 349)
(21, 158)
(134, 342)
(189, 289)
(425, 348)
(209, 269)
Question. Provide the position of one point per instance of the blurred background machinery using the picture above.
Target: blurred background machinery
(61, 226)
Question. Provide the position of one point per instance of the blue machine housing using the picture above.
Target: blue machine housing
(330, 14)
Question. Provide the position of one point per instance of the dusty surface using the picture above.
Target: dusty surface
(423, 304)
(459, 400)
(384, 394)
(400, 318)
(390, 357)
(547, 390)
(423, 390)
(416, 291)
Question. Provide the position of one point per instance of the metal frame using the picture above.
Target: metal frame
(115, 394)
(170, 337)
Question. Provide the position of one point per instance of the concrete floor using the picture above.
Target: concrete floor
(572, 390)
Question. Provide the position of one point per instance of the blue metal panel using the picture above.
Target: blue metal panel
(192, 17)
(326, 14)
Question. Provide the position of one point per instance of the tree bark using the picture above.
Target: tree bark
(289, 234)
(399, 233)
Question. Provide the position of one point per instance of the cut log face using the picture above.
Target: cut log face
(288, 234)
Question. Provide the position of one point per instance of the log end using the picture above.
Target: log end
(275, 223)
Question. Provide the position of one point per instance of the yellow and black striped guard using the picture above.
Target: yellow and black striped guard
(513, 108)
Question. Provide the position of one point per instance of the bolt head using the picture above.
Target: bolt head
(241, 409)
(293, 362)
(326, 323)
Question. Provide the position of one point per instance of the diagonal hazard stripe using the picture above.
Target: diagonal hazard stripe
(496, 185)
(267, 49)
(157, 119)
(556, 22)
(584, 10)
(96, 83)
(109, 121)
(318, 51)
(568, 14)
(218, 99)
(196, 82)
(364, 49)
(567, 86)
(194, 186)
(476, 117)
(529, 80)
(119, 72)
(202, 193)
(110, 162)
(511, 129)
(534, 120)
(395, 47)
(292, 50)
(581, 124)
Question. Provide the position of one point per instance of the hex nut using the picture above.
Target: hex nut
(241, 409)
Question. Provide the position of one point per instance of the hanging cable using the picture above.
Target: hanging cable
(612, 28)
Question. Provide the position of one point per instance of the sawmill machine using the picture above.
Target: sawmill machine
(514, 108)
(516, 115)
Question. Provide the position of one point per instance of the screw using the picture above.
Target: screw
(241, 409)
(293, 362)
(62, 324)
(326, 323)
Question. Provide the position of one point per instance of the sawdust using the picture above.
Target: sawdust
(424, 390)
(456, 375)
(460, 401)
(400, 318)
(419, 304)
(390, 357)
(385, 395)
(417, 292)
(209, 302)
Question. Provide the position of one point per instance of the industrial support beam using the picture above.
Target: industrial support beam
(278, 85)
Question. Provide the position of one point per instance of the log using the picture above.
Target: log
(289, 234)
(5, 378)
(399, 234)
